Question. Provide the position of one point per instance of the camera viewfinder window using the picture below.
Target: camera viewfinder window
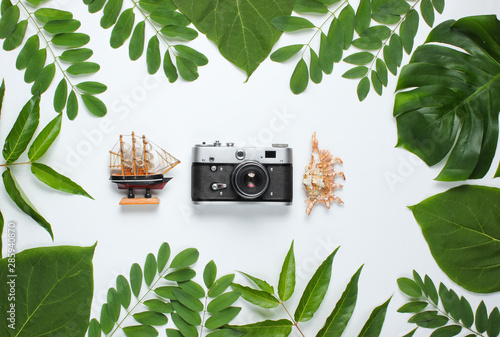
(270, 154)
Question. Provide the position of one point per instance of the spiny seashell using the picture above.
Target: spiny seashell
(319, 178)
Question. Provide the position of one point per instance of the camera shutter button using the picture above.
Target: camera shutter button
(240, 154)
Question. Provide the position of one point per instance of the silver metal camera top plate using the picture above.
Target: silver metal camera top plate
(205, 153)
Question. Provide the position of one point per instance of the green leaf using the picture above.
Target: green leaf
(258, 297)
(359, 58)
(223, 301)
(185, 329)
(154, 5)
(339, 318)
(494, 323)
(285, 53)
(56, 180)
(166, 292)
(309, 6)
(242, 31)
(286, 284)
(224, 332)
(336, 38)
(263, 285)
(82, 68)
(95, 5)
(2, 94)
(467, 316)
(381, 71)
(300, 78)
(159, 306)
(181, 275)
(458, 113)
(377, 85)
(356, 72)
(123, 28)
(373, 325)
(427, 11)
(408, 30)
(76, 55)
(166, 17)
(409, 287)
(45, 139)
(55, 294)
(114, 304)
(280, 328)
(181, 32)
(428, 319)
(15, 39)
(123, 289)
(150, 269)
(72, 106)
(136, 46)
(22, 131)
(107, 323)
(191, 54)
(189, 316)
(459, 226)
(95, 105)
(411, 333)
(153, 57)
(209, 274)
(188, 300)
(326, 57)
(35, 66)
(61, 95)
(390, 60)
(438, 5)
(367, 43)
(44, 79)
(315, 290)
(110, 13)
(173, 333)
(395, 7)
(291, 23)
(62, 26)
(413, 307)
(447, 331)
(397, 48)
(419, 282)
(220, 285)
(363, 16)
(94, 328)
(150, 318)
(92, 87)
(385, 18)
(185, 258)
(8, 21)
(481, 318)
(169, 68)
(136, 279)
(379, 31)
(71, 40)
(346, 20)
(187, 69)
(27, 52)
(163, 256)
(222, 317)
(140, 331)
(192, 288)
(45, 15)
(430, 290)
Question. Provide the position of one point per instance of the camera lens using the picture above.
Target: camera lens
(250, 180)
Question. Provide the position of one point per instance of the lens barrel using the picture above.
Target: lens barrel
(250, 179)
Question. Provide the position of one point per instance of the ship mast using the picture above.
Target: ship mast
(121, 155)
(145, 154)
(133, 153)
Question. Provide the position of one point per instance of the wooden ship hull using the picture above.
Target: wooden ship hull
(154, 181)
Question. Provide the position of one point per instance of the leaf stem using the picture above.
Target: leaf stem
(129, 312)
(12, 164)
(296, 324)
(204, 314)
(47, 42)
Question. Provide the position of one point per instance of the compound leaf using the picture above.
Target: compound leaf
(460, 225)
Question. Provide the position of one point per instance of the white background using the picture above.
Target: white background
(374, 227)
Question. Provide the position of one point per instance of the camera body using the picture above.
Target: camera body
(228, 173)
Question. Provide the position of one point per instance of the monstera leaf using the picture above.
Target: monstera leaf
(241, 29)
(454, 100)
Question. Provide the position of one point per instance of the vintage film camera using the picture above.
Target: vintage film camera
(229, 173)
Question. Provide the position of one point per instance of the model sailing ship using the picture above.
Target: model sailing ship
(140, 164)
